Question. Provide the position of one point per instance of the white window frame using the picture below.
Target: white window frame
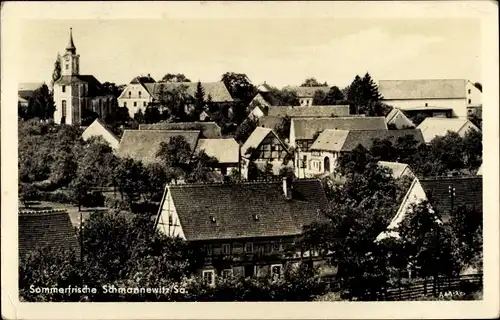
(224, 247)
(281, 270)
(227, 273)
(209, 271)
(245, 248)
(207, 249)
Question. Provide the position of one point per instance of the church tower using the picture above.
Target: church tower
(70, 61)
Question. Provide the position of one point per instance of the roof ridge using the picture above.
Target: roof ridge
(42, 212)
(429, 79)
(241, 182)
(156, 130)
(450, 178)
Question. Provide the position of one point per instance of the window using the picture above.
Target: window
(304, 161)
(276, 246)
(63, 88)
(63, 111)
(125, 104)
(276, 271)
(316, 153)
(208, 276)
(267, 248)
(469, 91)
(208, 250)
(426, 104)
(469, 101)
(249, 247)
(226, 249)
(144, 103)
(135, 103)
(226, 273)
(129, 93)
(139, 94)
(67, 67)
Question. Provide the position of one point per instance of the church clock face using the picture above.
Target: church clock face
(66, 58)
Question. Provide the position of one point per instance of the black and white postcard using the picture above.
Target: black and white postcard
(284, 159)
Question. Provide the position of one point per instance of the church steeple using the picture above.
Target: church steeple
(71, 45)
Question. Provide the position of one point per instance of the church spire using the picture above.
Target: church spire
(71, 46)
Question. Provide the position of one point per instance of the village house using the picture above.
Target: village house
(142, 91)
(396, 119)
(445, 194)
(245, 228)
(41, 229)
(306, 94)
(324, 153)
(75, 93)
(99, 129)
(25, 92)
(142, 145)
(262, 100)
(437, 96)
(225, 150)
(209, 130)
(264, 147)
(434, 127)
(398, 169)
(304, 131)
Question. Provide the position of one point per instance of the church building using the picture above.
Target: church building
(76, 94)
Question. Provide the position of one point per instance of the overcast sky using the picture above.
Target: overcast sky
(279, 51)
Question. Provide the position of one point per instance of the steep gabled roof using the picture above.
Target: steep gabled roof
(210, 130)
(142, 145)
(47, 228)
(306, 128)
(217, 90)
(235, 206)
(366, 137)
(225, 150)
(468, 191)
(397, 168)
(99, 125)
(307, 92)
(433, 127)
(95, 88)
(330, 140)
(422, 89)
(256, 138)
(143, 80)
(309, 111)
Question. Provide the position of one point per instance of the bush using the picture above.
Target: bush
(57, 196)
(114, 203)
(93, 199)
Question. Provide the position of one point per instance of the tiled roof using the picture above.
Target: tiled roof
(307, 92)
(397, 168)
(143, 80)
(235, 206)
(306, 128)
(142, 145)
(422, 89)
(433, 127)
(270, 122)
(255, 139)
(468, 191)
(94, 86)
(366, 137)
(225, 150)
(217, 90)
(210, 130)
(50, 228)
(309, 111)
(330, 140)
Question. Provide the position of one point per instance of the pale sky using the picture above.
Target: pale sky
(278, 51)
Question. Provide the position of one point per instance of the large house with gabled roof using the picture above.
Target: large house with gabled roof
(142, 91)
(245, 228)
(434, 95)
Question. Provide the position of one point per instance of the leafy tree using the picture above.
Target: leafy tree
(175, 155)
(239, 86)
(170, 77)
(201, 169)
(319, 98)
(363, 96)
(139, 116)
(333, 97)
(112, 88)
(129, 176)
(177, 100)
(354, 161)
(312, 82)
(27, 193)
(244, 130)
(41, 104)
(151, 114)
(88, 116)
(283, 129)
(56, 74)
(284, 97)
(472, 149)
(466, 228)
(79, 187)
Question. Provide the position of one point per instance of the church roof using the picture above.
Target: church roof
(71, 44)
(95, 88)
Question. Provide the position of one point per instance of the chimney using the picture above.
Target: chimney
(149, 75)
(287, 187)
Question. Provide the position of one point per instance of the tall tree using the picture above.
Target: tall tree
(363, 96)
(171, 77)
(312, 82)
(151, 114)
(41, 104)
(199, 100)
(240, 87)
(176, 154)
(112, 88)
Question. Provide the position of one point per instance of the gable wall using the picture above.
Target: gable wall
(168, 209)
